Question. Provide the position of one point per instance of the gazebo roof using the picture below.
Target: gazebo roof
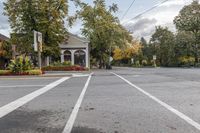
(4, 38)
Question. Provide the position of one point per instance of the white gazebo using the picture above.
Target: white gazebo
(75, 50)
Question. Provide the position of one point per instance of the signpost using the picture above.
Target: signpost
(38, 46)
(154, 60)
(154, 57)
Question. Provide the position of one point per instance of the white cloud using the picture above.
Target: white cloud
(4, 25)
(163, 15)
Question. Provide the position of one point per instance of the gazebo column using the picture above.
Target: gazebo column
(62, 56)
(86, 58)
(72, 56)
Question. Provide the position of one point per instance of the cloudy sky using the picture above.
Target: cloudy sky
(142, 26)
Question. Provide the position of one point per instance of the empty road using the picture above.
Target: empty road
(123, 100)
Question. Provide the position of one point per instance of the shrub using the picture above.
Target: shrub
(64, 68)
(144, 62)
(5, 72)
(66, 63)
(137, 63)
(20, 65)
(34, 72)
(58, 63)
(154, 63)
(187, 61)
(27, 64)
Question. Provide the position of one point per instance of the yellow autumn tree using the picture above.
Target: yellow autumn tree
(118, 54)
(132, 50)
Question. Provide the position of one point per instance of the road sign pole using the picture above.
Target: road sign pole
(39, 60)
(38, 47)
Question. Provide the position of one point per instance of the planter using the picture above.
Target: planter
(29, 72)
(64, 68)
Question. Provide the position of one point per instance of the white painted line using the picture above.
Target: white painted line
(74, 113)
(23, 100)
(168, 107)
(15, 86)
(80, 75)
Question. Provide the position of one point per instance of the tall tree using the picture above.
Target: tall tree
(102, 28)
(184, 44)
(146, 51)
(162, 43)
(189, 20)
(46, 16)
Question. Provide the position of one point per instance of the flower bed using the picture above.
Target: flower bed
(28, 72)
(64, 68)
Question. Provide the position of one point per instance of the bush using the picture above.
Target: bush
(19, 65)
(154, 63)
(5, 72)
(187, 61)
(66, 63)
(34, 72)
(64, 68)
(27, 64)
(144, 62)
(58, 63)
(28, 72)
(137, 63)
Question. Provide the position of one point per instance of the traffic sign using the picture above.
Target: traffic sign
(154, 57)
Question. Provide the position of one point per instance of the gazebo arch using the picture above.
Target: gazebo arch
(67, 55)
(80, 58)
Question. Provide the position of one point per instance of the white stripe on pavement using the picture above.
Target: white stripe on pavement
(80, 75)
(173, 110)
(74, 113)
(14, 86)
(23, 100)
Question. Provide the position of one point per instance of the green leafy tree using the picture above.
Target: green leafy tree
(162, 43)
(5, 50)
(146, 50)
(184, 45)
(46, 16)
(189, 20)
(102, 28)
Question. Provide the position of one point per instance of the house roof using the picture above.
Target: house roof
(2, 37)
(79, 38)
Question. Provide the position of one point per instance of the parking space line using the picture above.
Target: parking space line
(74, 113)
(15, 86)
(168, 107)
(23, 100)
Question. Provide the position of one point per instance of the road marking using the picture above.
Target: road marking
(23, 100)
(74, 113)
(168, 107)
(15, 86)
(80, 75)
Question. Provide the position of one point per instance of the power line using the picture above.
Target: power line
(139, 15)
(128, 9)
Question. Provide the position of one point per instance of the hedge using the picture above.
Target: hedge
(28, 72)
(64, 68)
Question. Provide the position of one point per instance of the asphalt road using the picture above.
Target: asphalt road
(123, 100)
